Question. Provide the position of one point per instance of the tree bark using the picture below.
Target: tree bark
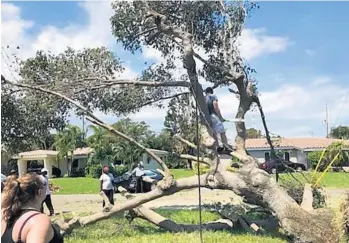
(250, 182)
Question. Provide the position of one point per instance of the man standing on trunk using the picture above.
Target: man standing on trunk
(107, 185)
(217, 120)
(139, 172)
(47, 200)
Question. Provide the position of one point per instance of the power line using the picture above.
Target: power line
(198, 163)
(340, 110)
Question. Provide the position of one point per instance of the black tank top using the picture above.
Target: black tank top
(7, 236)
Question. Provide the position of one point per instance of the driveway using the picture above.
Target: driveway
(93, 203)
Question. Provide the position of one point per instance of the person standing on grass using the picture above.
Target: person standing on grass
(47, 200)
(107, 185)
(139, 172)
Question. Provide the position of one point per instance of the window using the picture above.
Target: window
(287, 156)
(75, 163)
(266, 156)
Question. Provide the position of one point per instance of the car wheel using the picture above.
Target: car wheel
(273, 170)
(299, 169)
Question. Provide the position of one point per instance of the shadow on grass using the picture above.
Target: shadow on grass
(118, 227)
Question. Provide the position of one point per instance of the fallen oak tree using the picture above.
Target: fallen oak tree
(249, 181)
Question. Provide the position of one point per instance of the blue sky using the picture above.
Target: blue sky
(299, 50)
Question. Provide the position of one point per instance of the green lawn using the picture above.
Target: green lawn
(118, 230)
(182, 173)
(84, 185)
(80, 185)
(339, 180)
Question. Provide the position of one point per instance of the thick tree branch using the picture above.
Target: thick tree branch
(181, 184)
(113, 82)
(163, 98)
(95, 120)
(190, 144)
(169, 225)
(203, 160)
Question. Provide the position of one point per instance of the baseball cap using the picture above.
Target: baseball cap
(141, 163)
(44, 170)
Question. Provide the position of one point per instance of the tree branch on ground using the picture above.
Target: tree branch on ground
(169, 225)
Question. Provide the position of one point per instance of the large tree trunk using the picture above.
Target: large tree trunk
(253, 184)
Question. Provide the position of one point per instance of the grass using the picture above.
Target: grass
(84, 185)
(118, 230)
(80, 185)
(338, 180)
(182, 173)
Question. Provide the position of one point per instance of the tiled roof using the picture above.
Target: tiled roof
(38, 153)
(42, 153)
(81, 151)
(301, 143)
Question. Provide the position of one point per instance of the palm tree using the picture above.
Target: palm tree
(67, 140)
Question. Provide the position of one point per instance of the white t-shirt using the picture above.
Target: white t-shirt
(48, 192)
(138, 172)
(107, 180)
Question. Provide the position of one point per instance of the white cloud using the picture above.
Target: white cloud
(296, 109)
(291, 109)
(255, 42)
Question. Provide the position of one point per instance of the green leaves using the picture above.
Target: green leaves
(67, 140)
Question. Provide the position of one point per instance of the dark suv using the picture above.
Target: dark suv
(281, 165)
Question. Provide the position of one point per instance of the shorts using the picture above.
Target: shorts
(217, 124)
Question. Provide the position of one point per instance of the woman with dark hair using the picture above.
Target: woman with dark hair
(21, 219)
(107, 185)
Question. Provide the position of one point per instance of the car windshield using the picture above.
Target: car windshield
(149, 173)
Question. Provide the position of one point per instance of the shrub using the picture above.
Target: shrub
(94, 171)
(295, 189)
(78, 173)
(118, 170)
(314, 158)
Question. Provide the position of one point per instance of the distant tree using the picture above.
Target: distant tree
(109, 148)
(253, 133)
(340, 132)
(331, 151)
(67, 140)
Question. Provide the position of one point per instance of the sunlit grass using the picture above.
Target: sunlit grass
(118, 230)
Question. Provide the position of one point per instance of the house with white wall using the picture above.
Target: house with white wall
(293, 149)
(151, 164)
(50, 158)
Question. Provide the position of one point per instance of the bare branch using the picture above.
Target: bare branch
(190, 144)
(233, 91)
(140, 34)
(307, 202)
(164, 98)
(95, 120)
(181, 184)
(203, 160)
(211, 65)
(108, 205)
(113, 82)
(170, 225)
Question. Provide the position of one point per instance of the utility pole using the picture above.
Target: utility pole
(83, 126)
(326, 122)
